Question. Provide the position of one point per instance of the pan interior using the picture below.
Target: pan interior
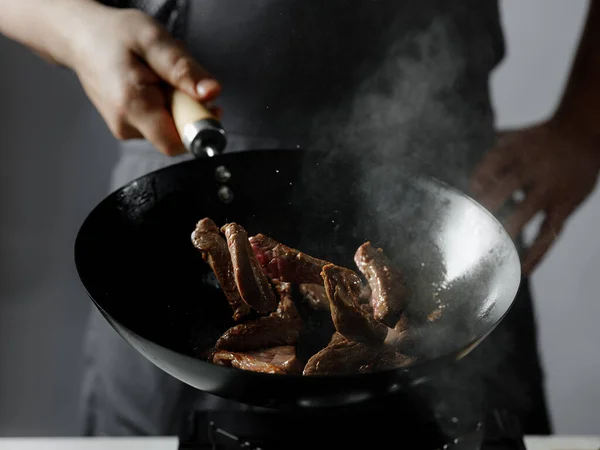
(135, 257)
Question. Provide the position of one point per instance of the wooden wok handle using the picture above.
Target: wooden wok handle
(200, 131)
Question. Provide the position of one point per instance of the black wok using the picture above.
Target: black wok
(135, 258)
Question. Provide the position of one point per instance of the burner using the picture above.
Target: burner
(260, 429)
(366, 425)
(280, 430)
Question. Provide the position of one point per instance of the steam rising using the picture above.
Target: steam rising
(416, 110)
(407, 113)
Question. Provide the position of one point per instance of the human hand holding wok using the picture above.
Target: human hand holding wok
(126, 61)
(554, 165)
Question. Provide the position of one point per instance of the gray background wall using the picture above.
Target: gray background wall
(55, 161)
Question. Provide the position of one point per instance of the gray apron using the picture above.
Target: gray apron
(405, 83)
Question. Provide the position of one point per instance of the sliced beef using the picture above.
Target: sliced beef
(337, 338)
(207, 238)
(262, 333)
(252, 283)
(315, 296)
(281, 327)
(411, 338)
(343, 287)
(388, 290)
(340, 358)
(400, 335)
(343, 357)
(283, 263)
(276, 360)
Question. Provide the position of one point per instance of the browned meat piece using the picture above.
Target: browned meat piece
(283, 263)
(343, 287)
(337, 338)
(276, 360)
(207, 238)
(399, 335)
(262, 333)
(281, 327)
(386, 281)
(343, 357)
(251, 282)
(315, 296)
(405, 337)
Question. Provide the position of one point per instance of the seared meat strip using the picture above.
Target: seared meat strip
(409, 337)
(283, 263)
(343, 287)
(279, 328)
(337, 338)
(386, 281)
(262, 333)
(276, 360)
(251, 282)
(315, 296)
(207, 238)
(342, 357)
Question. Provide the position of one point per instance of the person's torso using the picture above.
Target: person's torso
(397, 79)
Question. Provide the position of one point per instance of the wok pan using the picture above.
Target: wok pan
(135, 258)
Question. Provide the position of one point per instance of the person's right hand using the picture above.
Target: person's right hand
(124, 59)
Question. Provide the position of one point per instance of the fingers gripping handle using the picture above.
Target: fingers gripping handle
(200, 131)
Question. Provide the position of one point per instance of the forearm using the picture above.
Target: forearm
(47, 27)
(580, 104)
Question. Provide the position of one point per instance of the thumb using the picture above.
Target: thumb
(172, 62)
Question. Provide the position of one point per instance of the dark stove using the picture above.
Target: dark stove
(257, 428)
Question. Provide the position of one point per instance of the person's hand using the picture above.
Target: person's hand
(125, 60)
(556, 167)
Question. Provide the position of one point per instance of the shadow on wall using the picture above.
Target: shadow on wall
(55, 161)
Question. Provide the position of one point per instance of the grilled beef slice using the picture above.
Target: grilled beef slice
(276, 360)
(281, 327)
(207, 238)
(283, 263)
(343, 287)
(342, 357)
(252, 283)
(386, 281)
